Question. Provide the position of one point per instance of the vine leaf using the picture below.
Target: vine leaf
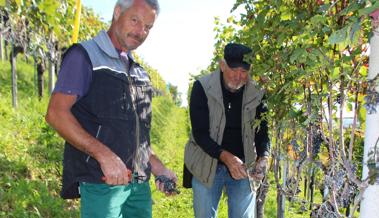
(297, 54)
(339, 36)
(368, 10)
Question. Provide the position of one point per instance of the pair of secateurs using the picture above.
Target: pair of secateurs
(134, 177)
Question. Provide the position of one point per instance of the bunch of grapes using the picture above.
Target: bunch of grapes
(348, 194)
(326, 210)
(339, 179)
(317, 140)
(169, 185)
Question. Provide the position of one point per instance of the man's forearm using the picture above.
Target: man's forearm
(157, 166)
(70, 129)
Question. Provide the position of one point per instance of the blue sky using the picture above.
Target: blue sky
(182, 39)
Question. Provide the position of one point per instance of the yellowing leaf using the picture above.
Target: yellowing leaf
(292, 153)
(285, 16)
(18, 2)
(336, 72)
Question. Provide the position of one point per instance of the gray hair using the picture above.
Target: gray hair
(125, 4)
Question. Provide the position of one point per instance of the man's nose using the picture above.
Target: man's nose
(238, 75)
(141, 30)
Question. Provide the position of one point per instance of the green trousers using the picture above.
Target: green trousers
(121, 201)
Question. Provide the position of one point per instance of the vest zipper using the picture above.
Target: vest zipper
(133, 96)
(97, 136)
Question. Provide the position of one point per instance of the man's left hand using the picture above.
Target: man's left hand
(170, 175)
(260, 168)
(159, 170)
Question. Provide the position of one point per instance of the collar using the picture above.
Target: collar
(104, 42)
(128, 55)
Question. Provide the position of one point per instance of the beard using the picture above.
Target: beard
(234, 87)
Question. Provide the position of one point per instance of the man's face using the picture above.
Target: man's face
(132, 26)
(234, 78)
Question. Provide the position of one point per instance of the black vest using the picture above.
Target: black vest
(116, 110)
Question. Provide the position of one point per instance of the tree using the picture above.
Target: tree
(309, 56)
(175, 95)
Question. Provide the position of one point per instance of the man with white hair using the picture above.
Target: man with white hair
(226, 151)
(101, 106)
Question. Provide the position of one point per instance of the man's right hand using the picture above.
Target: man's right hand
(260, 168)
(234, 164)
(114, 170)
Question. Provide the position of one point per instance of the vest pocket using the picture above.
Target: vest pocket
(105, 135)
(198, 162)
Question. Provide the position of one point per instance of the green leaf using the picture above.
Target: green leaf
(261, 18)
(18, 2)
(351, 8)
(297, 54)
(349, 107)
(2, 3)
(354, 33)
(368, 10)
(50, 8)
(339, 36)
(336, 73)
(285, 14)
(317, 53)
(317, 20)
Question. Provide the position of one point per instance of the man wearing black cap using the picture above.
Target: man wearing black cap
(225, 150)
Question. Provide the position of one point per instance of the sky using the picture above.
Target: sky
(181, 41)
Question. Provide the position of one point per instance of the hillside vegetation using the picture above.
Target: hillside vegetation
(31, 152)
(31, 155)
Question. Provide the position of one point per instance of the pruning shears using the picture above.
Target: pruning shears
(134, 177)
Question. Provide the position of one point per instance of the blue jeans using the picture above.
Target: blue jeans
(241, 200)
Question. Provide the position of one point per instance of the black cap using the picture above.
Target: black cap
(234, 54)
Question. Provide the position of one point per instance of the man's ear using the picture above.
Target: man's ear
(222, 64)
(116, 13)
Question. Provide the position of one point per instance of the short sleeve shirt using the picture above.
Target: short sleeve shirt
(75, 74)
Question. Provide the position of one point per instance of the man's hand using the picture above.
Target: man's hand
(161, 179)
(114, 169)
(260, 168)
(158, 169)
(235, 165)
